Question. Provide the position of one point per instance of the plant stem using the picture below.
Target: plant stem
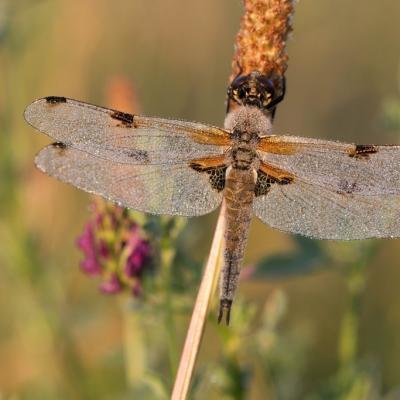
(134, 343)
(197, 322)
(348, 339)
(167, 256)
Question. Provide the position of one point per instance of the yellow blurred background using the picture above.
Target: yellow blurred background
(59, 337)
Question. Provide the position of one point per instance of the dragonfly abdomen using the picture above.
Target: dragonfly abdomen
(239, 195)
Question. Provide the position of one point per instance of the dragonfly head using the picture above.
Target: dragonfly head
(254, 89)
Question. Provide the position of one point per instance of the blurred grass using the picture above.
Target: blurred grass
(59, 338)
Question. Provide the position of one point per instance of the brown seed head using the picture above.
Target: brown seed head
(261, 41)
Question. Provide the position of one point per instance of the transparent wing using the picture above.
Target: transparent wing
(339, 167)
(166, 189)
(314, 211)
(122, 137)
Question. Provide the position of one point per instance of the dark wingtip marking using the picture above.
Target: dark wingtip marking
(55, 99)
(125, 118)
(363, 151)
(61, 147)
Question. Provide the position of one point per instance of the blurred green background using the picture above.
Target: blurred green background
(314, 320)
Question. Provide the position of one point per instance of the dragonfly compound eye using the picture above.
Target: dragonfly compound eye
(242, 92)
(256, 90)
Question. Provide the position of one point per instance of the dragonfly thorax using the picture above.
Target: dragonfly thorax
(247, 124)
(243, 157)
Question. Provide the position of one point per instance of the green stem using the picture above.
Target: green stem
(134, 342)
(167, 257)
(348, 339)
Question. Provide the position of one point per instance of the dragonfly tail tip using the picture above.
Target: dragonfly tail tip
(225, 308)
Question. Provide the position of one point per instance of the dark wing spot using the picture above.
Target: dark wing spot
(60, 147)
(265, 181)
(217, 178)
(125, 118)
(284, 180)
(347, 187)
(55, 100)
(141, 156)
(216, 174)
(363, 151)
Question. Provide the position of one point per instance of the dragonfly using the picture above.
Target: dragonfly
(318, 188)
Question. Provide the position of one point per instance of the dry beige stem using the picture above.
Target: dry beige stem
(261, 41)
(196, 327)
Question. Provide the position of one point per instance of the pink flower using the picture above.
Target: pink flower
(87, 243)
(108, 236)
(111, 286)
(139, 254)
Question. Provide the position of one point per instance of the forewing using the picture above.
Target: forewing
(314, 211)
(122, 137)
(339, 167)
(158, 189)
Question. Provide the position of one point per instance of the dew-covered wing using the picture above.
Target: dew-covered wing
(173, 189)
(315, 211)
(338, 167)
(122, 137)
